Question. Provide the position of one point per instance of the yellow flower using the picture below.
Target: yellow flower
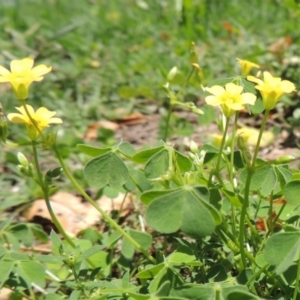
(21, 75)
(272, 89)
(250, 135)
(229, 98)
(246, 66)
(42, 118)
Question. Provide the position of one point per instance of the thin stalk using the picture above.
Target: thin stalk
(47, 200)
(231, 172)
(105, 216)
(165, 137)
(217, 170)
(171, 105)
(297, 279)
(251, 171)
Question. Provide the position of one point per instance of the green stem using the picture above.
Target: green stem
(217, 170)
(173, 98)
(105, 216)
(251, 171)
(165, 137)
(231, 171)
(297, 279)
(46, 195)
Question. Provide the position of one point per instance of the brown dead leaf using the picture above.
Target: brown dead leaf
(134, 117)
(73, 214)
(92, 131)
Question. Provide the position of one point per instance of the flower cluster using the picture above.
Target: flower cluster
(272, 89)
(21, 75)
(231, 98)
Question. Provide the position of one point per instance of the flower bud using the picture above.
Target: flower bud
(284, 159)
(193, 147)
(172, 74)
(22, 159)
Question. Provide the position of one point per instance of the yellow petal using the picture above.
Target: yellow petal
(254, 79)
(287, 86)
(248, 98)
(16, 118)
(233, 88)
(3, 72)
(40, 70)
(213, 100)
(23, 65)
(55, 121)
(44, 113)
(215, 90)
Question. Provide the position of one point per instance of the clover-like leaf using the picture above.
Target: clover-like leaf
(182, 209)
(107, 169)
(282, 249)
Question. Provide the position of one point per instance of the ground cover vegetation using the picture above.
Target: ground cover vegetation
(209, 220)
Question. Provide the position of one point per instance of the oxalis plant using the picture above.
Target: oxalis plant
(232, 216)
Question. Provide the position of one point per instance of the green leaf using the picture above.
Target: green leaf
(183, 162)
(89, 252)
(263, 180)
(292, 191)
(182, 209)
(282, 249)
(126, 149)
(6, 267)
(107, 169)
(158, 164)
(23, 233)
(92, 151)
(143, 238)
(147, 197)
(182, 256)
(32, 271)
(151, 272)
(56, 242)
(143, 156)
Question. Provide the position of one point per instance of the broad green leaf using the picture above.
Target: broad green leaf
(151, 272)
(263, 180)
(92, 151)
(182, 209)
(32, 271)
(126, 149)
(282, 249)
(143, 156)
(183, 162)
(213, 292)
(56, 242)
(158, 164)
(292, 191)
(107, 169)
(182, 255)
(89, 252)
(165, 274)
(284, 175)
(147, 197)
(233, 198)
(23, 233)
(53, 297)
(143, 238)
(6, 267)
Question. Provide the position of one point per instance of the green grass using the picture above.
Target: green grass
(110, 58)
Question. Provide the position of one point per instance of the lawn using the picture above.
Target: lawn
(110, 65)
